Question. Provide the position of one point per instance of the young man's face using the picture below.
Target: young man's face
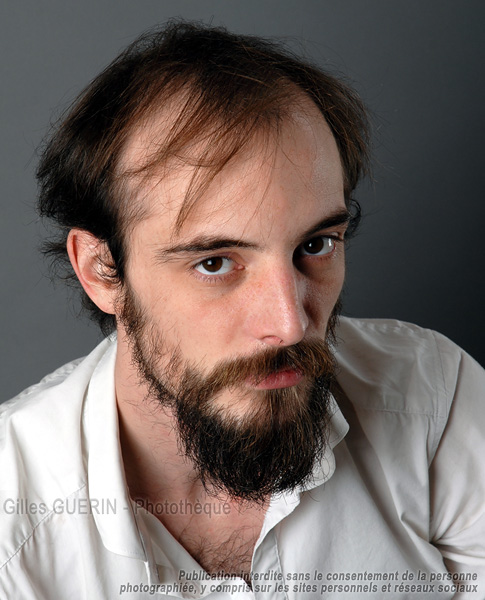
(258, 265)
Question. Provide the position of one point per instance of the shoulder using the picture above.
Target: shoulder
(400, 377)
(388, 339)
(39, 416)
(42, 449)
(415, 403)
(399, 366)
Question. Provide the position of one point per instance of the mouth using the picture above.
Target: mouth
(281, 379)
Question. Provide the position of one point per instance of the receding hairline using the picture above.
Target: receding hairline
(144, 161)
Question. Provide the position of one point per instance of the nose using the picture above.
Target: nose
(276, 309)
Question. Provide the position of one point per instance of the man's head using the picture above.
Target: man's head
(206, 179)
(221, 90)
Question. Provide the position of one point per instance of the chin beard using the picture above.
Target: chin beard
(273, 446)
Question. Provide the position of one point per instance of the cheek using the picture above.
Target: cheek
(203, 326)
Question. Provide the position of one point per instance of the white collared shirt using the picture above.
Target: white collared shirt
(396, 508)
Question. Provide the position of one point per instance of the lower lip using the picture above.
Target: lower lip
(281, 379)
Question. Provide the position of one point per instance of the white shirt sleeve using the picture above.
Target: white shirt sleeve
(457, 472)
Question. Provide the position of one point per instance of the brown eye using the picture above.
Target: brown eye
(216, 265)
(212, 264)
(318, 246)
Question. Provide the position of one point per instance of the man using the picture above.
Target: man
(232, 437)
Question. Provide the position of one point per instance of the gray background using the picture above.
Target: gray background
(417, 64)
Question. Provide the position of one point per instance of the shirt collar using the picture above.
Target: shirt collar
(283, 504)
(106, 476)
(337, 430)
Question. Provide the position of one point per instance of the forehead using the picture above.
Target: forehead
(296, 162)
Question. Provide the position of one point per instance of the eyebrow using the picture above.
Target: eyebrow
(341, 217)
(206, 243)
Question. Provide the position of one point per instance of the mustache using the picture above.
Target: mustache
(311, 358)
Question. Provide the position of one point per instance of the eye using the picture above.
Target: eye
(216, 265)
(318, 246)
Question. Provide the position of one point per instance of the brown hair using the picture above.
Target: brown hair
(226, 87)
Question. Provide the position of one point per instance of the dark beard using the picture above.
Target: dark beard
(273, 447)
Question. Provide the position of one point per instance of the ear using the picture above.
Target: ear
(90, 258)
